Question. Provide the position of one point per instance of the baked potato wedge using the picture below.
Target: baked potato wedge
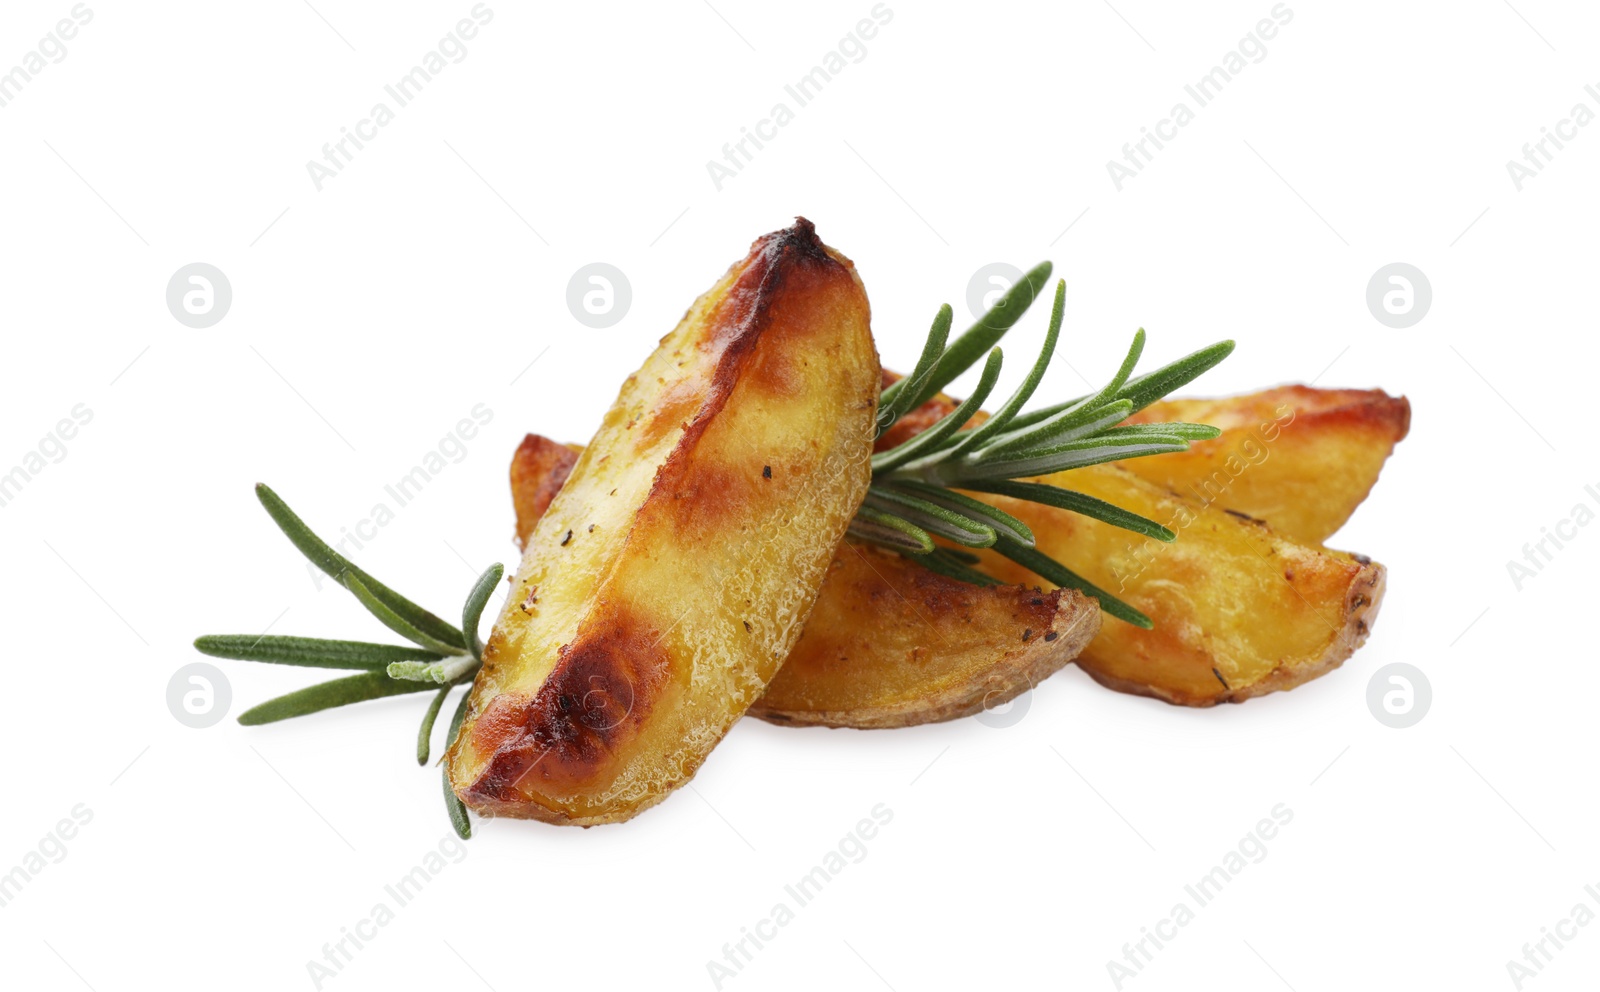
(1239, 610)
(669, 577)
(1300, 458)
(888, 643)
(892, 644)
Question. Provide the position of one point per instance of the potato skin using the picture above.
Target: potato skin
(892, 644)
(889, 643)
(538, 471)
(1299, 457)
(669, 577)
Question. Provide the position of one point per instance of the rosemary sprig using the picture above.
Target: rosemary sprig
(913, 498)
(442, 659)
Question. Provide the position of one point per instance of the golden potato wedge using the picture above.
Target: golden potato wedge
(892, 644)
(670, 576)
(1238, 610)
(888, 643)
(1300, 458)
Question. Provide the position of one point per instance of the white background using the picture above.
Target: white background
(374, 314)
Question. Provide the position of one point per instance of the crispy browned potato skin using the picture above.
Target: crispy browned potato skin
(538, 471)
(1299, 457)
(889, 643)
(1239, 610)
(670, 576)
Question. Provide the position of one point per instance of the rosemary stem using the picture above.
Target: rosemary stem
(441, 672)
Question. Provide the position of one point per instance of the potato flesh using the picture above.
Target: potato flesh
(669, 577)
(1238, 610)
(1300, 458)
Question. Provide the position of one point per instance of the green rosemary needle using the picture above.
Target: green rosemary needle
(913, 498)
